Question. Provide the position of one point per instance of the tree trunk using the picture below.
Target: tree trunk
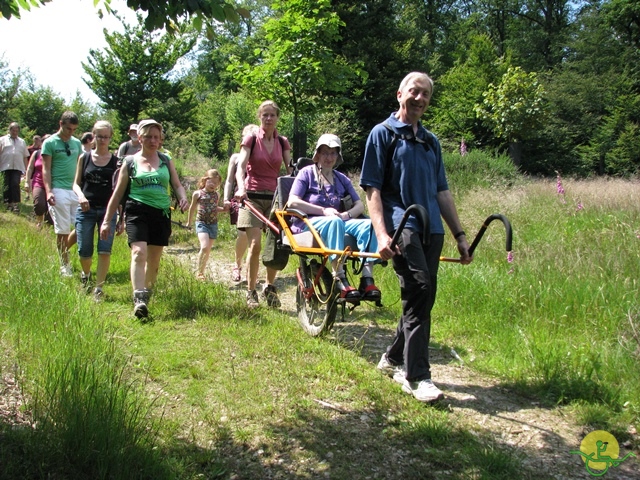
(299, 147)
(300, 142)
(231, 146)
(515, 153)
(601, 164)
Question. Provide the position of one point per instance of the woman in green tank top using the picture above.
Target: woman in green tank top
(147, 175)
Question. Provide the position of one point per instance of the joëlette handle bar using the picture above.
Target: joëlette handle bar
(421, 213)
(272, 226)
(476, 241)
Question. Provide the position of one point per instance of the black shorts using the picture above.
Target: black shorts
(147, 224)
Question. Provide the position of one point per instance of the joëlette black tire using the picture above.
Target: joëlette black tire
(316, 314)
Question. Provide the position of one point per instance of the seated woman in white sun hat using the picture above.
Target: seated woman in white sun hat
(317, 191)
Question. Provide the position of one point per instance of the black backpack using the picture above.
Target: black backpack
(429, 143)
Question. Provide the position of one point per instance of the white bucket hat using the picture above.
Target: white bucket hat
(331, 141)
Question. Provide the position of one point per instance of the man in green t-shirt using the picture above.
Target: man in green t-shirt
(60, 153)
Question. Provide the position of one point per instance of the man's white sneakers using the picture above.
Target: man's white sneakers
(422, 390)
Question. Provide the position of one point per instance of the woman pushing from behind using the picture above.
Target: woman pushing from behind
(257, 174)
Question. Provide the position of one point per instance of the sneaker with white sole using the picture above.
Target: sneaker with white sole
(252, 299)
(98, 295)
(270, 294)
(66, 271)
(140, 301)
(85, 279)
(389, 368)
(422, 390)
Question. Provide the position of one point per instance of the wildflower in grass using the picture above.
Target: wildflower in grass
(463, 148)
(510, 260)
(579, 206)
(559, 187)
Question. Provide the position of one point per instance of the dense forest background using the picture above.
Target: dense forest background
(556, 84)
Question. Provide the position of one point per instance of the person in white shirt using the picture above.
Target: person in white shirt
(14, 158)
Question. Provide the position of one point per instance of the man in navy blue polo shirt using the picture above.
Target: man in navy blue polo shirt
(403, 166)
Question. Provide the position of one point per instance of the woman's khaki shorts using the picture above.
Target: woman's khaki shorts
(246, 219)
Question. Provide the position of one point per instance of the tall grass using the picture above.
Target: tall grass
(89, 419)
(562, 320)
(477, 169)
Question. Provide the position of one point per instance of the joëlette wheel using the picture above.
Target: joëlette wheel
(317, 313)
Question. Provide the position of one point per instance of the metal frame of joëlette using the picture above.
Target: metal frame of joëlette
(322, 250)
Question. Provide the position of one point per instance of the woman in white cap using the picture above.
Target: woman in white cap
(317, 191)
(147, 174)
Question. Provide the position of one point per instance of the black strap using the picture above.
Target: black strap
(253, 144)
(164, 160)
(86, 158)
(259, 196)
(345, 188)
(391, 149)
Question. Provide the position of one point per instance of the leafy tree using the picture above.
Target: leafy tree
(498, 18)
(159, 15)
(232, 40)
(433, 27)
(543, 29)
(461, 88)
(133, 73)
(88, 115)
(9, 88)
(38, 109)
(624, 17)
(240, 110)
(515, 108)
(297, 66)
(211, 125)
(371, 37)
(593, 101)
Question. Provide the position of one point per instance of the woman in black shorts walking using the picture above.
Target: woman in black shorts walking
(147, 175)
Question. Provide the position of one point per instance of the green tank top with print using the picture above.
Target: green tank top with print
(151, 188)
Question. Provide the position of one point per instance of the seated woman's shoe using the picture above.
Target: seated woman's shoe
(368, 289)
(347, 292)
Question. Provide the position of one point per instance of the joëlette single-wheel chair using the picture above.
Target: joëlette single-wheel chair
(317, 296)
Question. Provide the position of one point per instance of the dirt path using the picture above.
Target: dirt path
(542, 436)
